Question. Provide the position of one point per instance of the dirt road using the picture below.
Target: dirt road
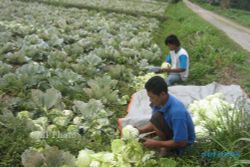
(236, 32)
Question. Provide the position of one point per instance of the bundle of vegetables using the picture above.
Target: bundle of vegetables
(208, 112)
(125, 152)
(139, 81)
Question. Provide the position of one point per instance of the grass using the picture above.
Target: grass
(213, 56)
(240, 16)
(14, 140)
(228, 134)
(231, 134)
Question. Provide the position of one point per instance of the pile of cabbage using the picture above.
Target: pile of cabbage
(139, 81)
(209, 112)
(125, 152)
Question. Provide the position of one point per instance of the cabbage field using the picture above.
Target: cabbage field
(67, 71)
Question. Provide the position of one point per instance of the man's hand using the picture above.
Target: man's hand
(159, 72)
(168, 144)
(162, 70)
(139, 130)
(146, 128)
(150, 143)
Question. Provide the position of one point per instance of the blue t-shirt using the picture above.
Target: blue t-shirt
(182, 59)
(178, 119)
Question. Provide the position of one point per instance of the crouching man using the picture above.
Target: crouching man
(170, 120)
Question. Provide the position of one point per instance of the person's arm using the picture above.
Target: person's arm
(167, 144)
(168, 70)
(146, 128)
(180, 136)
(182, 68)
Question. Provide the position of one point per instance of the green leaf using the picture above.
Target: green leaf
(55, 157)
(166, 162)
(117, 146)
(46, 100)
(32, 158)
(51, 97)
(89, 110)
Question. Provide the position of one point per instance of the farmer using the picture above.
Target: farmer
(178, 59)
(170, 120)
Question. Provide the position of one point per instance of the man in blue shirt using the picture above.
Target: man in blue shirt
(179, 60)
(170, 120)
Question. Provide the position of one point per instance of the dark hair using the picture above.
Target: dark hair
(172, 39)
(156, 85)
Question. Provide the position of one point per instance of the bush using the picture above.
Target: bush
(175, 1)
(14, 140)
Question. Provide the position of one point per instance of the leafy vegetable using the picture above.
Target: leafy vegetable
(209, 111)
(49, 156)
(47, 99)
(139, 81)
(99, 88)
(129, 132)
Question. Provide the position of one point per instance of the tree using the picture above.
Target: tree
(175, 1)
(240, 4)
(225, 4)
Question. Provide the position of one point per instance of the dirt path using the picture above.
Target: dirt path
(236, 32)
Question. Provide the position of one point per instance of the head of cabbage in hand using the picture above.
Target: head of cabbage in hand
(165, 65)
(129, 132)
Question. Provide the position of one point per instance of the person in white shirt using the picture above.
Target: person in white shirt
(179, 60)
